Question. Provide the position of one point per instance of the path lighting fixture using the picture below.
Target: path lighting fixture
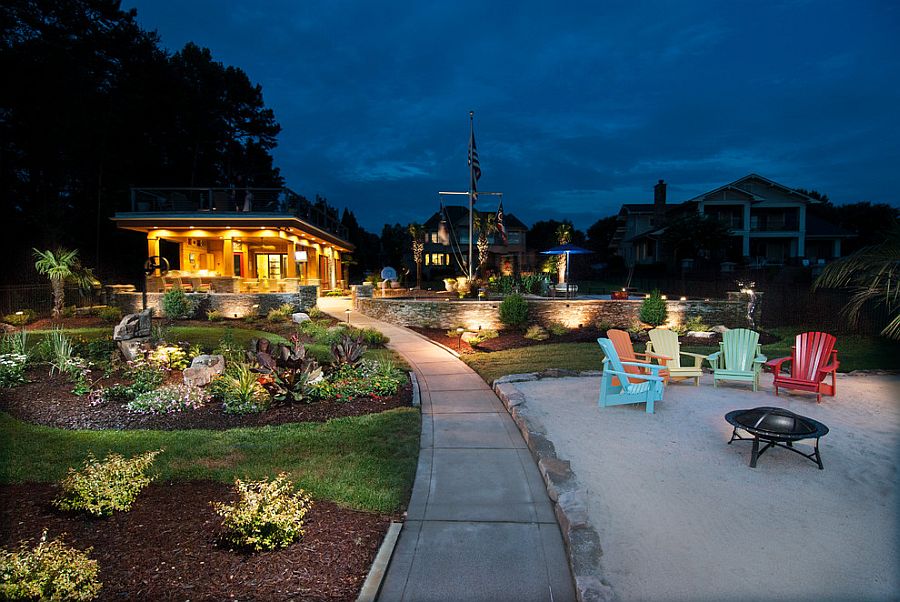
(663, 297)
(347, 311)
(646, 296)
(460, 332)
(20, 313)
(682, 299)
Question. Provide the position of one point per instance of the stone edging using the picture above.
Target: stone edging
(582, 542)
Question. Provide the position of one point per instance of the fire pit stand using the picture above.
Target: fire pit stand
(776, 427)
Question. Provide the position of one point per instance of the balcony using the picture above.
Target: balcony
(234, 201)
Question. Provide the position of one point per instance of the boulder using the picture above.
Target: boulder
(299, 317)
(133, 348)
(720, 329)
(701, 334)
(133, 326)
(203, 369)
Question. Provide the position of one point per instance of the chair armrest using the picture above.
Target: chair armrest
(830, 368)
(714, 357)
(760, 359)
(647, 355)
(698, 358)
(775, 364)
(651, 367)
(628, 375)
(659, 357)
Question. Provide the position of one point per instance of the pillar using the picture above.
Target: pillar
(153, 249)
(291, 261)
(227, 256)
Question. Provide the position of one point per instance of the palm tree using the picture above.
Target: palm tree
(417, 232)
(564, 237)
(872, 274)
(485, 224)
(61, 266)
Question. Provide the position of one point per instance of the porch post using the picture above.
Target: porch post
(291, 261)
(227, 256)
(153, 249)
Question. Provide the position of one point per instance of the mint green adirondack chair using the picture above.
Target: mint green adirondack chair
(648, 390)
(739, 358)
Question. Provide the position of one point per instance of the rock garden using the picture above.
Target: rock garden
(176, 460)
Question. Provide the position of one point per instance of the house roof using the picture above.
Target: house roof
(458, 213)
(736, 185)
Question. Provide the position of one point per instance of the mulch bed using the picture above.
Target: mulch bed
(512, 339)
(166, 547)
(49, 401)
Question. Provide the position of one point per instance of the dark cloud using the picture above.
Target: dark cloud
(579, 107)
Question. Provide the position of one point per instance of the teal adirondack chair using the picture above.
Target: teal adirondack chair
(648, 390)
(739, 358)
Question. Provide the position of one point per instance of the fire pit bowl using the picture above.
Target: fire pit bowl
(777, 427)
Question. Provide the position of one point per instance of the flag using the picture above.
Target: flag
(474, 165)
(500, 227)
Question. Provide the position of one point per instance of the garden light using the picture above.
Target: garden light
(460, 332)
(347, 311)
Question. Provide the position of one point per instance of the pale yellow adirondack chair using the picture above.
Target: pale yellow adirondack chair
(665, 343)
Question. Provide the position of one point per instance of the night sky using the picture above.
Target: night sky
(578, 107)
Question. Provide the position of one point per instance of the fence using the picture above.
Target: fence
(39, 297)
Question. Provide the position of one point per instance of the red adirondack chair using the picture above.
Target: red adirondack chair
(813, 358)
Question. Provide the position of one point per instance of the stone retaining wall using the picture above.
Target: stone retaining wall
(232, 305)
(571, 312)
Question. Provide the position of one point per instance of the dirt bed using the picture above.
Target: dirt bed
(48, 401)
(167, 548)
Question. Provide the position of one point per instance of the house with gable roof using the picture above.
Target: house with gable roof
(769, 224)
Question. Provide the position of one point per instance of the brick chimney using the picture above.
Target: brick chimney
(659, 204)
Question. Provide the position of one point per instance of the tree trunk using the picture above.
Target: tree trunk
(59, 296)
(419, 274)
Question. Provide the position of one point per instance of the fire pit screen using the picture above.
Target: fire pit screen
(776, 427)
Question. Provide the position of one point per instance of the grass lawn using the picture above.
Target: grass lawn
(366, 463)
(205, 336)
(855, 352)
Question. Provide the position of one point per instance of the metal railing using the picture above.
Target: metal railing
(234, 200)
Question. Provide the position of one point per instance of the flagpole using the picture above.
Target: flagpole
(471, 192)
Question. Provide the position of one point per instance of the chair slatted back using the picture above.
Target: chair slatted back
(739, 349)
(810, 354)
(609, 350)
(665, 342)
(621, 341)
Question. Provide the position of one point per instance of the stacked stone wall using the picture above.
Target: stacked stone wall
(232, 305)
(573, 313)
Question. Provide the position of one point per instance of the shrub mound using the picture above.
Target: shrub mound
(266, 516)
(49, 571)
(514, 311)
(653, 309)
(101, 488)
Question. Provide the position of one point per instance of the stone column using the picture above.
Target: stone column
(227, 256)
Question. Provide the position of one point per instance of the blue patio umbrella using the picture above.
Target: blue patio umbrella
(567, 249)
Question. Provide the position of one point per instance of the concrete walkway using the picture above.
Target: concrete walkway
(480, 525)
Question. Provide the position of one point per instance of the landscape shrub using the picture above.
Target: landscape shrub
(266, 516)
(514, 311)
(15, 342)
(214, 315)
(20, 318)
(12, 369)
(480, 336)
(109, 313)
(603, 326)
(557, 329)
(316, 314)
(293, 385)
(145, 377)
(348, 350)
(337, 292)
(68, 311)
(280, 314)
(653, 309)
(49, 571)
(317, 330)
(369, 379)
(229, 348)
(101, 488)
(240, 390)
(536, 332)
(60, 353)
(533, 283)
(177, 305)
(169, 357)
(373, 338)
(168, 399)
(97, 351)
(696, 324)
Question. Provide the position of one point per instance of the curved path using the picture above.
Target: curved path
(479, 525)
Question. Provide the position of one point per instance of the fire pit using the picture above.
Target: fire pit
(777, 427)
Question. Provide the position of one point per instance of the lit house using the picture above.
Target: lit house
(230, 240)
(447, 234)
(769, 224)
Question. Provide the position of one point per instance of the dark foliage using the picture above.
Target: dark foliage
(92, 106)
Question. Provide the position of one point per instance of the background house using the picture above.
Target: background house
(447, 234)
(768, 224)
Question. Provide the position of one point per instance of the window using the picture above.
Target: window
(514, 238)
(433, 237)
(271, 265)
(437, 259)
